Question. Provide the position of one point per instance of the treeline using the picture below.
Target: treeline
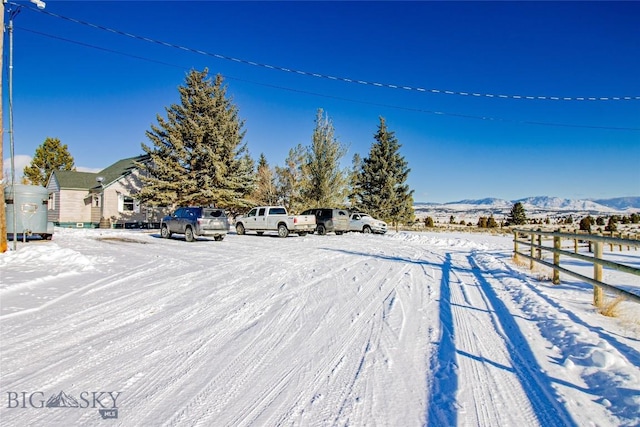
(197, 156)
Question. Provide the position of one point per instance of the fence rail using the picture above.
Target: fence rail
(596, 243)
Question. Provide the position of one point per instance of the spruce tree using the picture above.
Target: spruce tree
(50, 155)
(517, 215)
(381, 189)
(197, 152)
(327, 182)
(354, 173)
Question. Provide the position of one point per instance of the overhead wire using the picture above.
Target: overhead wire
(338, 78)
(417, 110)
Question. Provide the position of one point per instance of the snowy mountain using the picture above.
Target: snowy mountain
(535, 207)
(620, 203)
(614, 205)
(545, 202)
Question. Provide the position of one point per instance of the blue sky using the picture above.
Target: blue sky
(99, 91)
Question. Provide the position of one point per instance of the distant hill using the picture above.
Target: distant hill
(621, 203)
(535, 207)
(546, 202)
(556, 203)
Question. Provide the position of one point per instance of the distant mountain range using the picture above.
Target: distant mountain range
(540, 206)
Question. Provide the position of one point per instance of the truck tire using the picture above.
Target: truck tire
(321, 230)
(240, 229)
(164, 232)
(283, 231)
(188, 234)
(366, 229)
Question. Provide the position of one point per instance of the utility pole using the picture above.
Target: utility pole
(3, 209)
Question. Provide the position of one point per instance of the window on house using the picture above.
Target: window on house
(125, 203)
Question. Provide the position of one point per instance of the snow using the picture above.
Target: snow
(407, 329)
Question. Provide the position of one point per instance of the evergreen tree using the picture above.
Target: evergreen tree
(327, 182)
(381, 187)
(292, 179)
(356, 167)
(197, 153)
(491, 222)
(612, 224)
(517, 216)
(586, 223)
(428, 222)
(50, 155)
(483, 222)
(265, 189)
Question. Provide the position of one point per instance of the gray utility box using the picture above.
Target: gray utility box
(30, 205)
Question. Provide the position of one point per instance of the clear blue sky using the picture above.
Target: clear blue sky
(99, 91)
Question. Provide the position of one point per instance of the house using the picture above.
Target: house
(105, 199)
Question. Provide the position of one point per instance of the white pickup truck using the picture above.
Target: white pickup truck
(275, 218)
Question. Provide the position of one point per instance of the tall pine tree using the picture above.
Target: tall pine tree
(51, 155)
(380, 188)
(517, 215)
(327, 182)
(197, 153)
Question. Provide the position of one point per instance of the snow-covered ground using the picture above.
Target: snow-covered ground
(408, 329)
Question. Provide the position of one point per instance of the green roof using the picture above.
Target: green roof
(87, 180)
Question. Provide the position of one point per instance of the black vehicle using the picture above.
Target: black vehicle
(195, 221)
(330, 220)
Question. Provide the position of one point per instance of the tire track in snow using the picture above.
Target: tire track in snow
(477, 363)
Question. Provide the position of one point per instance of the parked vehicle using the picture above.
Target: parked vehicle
(330, 220)
(275, 218)
(195, 221)
(366, 223)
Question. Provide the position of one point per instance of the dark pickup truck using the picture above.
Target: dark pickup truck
(195, 221)
(330, 220)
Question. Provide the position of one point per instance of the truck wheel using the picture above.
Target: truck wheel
(321, 230)
(240, 229)
(302, 233)
(366, 229)
(188, 234)
(164, 232)
(283, 231)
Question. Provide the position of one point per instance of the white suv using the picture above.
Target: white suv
(366, 223)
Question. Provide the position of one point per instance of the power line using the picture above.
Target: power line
(417, 110)
(338, 78)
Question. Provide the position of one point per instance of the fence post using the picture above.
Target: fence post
(575, 246)
(533, 251)
(539, 244)
(515, 246)
(598, 293)
(556, 260)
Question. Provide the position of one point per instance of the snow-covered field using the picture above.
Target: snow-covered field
(124, 328)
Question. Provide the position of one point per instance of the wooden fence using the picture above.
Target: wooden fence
(534, 240)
